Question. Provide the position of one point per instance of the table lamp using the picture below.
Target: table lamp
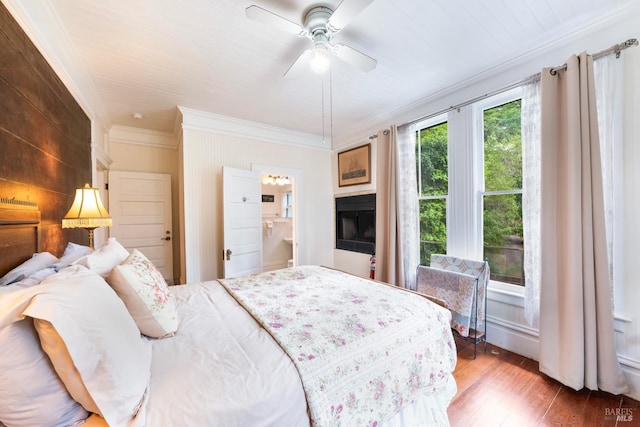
(87, 212)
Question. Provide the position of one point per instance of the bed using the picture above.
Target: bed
(296, 347)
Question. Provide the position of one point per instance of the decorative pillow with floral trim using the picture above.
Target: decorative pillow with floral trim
(146, 294)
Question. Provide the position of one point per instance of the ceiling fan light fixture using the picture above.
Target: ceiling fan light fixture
(320, 24)
(320, 58)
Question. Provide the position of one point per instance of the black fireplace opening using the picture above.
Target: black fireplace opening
(356, 223)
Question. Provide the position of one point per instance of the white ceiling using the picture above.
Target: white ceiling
(150, 56)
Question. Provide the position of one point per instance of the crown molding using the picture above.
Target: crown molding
(145, 137)
(224, 125)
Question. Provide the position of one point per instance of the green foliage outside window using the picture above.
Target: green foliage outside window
(433, 182)
(434, 166)
(503, 147)
(502, 215)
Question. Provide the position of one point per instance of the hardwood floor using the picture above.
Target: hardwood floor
(500, 388)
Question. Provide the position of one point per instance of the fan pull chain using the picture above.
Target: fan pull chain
(324, 141)
(331, 105)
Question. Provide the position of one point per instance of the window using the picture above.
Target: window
(287, 204)
(502, 236)
(469, 173)
(433, 188)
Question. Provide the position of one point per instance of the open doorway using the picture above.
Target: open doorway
(280, 216)
(277, 221)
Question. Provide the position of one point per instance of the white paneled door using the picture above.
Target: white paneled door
(242, 199)
(140, 204)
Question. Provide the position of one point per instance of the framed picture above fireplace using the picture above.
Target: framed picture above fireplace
(354, 166)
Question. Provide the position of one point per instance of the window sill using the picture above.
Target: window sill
(506, 293)
(621, 318)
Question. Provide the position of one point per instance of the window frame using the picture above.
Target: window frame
(287, 203)
(478, 109)
(424, 124)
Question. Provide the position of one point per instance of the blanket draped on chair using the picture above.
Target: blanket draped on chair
(454, 281)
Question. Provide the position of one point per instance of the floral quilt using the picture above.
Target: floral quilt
(364, 350)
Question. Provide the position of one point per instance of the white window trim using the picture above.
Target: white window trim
(434, 121)
(462, 225)
(478, 137)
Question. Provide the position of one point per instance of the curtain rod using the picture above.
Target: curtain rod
(375, 135)
(613, 49)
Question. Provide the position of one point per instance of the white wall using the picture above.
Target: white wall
(208, 144)
(100, 163)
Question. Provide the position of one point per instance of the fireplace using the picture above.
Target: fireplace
(356, 223)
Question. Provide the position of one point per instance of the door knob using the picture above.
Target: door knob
(228, 254)
(165, 238)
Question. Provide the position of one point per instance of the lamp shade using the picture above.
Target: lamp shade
(87, 210)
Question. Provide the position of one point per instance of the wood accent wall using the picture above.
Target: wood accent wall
(45, 136)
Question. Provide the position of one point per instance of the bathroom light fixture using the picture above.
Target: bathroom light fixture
(275, 180)
(87, 211)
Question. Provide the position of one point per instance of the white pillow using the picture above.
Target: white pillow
(102, 342)
(104, 259)
(31, 393)
(72, 253)
(36, 262)
(146, 294)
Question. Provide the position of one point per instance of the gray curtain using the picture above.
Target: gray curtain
(577, 345)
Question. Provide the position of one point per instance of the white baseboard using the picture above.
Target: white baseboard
(513, 337)
(274, 266)
(631, 369)
(522, 340)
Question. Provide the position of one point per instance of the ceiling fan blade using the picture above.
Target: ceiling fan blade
(300, 66)
(263, 15)
(356, 58)
(345, 12)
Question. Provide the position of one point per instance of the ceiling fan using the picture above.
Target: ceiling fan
(321, 23)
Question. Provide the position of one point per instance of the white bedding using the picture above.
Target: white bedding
(222, 369)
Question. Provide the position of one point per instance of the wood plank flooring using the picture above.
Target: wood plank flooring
(501, 389)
